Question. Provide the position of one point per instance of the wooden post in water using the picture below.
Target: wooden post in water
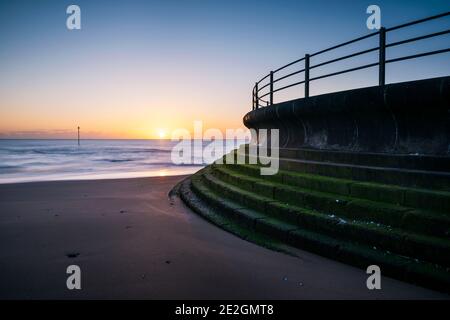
(78, 136)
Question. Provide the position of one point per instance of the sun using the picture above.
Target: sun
(162, 133)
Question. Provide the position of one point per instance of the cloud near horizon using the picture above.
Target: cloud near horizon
(51, 134)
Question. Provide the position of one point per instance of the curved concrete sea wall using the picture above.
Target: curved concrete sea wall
(364, 178)
(402, 118)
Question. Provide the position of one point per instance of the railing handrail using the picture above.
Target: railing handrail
(380, 63)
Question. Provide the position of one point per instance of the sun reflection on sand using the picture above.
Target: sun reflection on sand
(162, 173)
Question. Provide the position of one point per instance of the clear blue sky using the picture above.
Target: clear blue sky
(138, 66)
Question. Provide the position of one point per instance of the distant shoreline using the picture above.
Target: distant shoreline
(99, 139)
(95, 179)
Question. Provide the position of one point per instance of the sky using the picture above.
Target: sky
(141, 69)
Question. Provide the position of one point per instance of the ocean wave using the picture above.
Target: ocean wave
(64, 151)
(135, 150)
(5, 166)
(10, 169)
(176, 165)
(151, 163)
(116, 160)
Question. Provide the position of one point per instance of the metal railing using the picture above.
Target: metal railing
(267, 98)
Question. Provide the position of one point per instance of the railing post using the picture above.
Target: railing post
(253, 98)
(256, 96)
(271, 87)
(382, 57)
(306, 75)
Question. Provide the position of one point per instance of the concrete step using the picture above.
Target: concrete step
(214, 209)
(385, 175)
(388, 238)
(348, 207)
(428, 200)
(197, 194)
(403, 161)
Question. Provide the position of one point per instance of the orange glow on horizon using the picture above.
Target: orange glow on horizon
(36, 120)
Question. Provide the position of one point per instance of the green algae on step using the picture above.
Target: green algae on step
(360, 255)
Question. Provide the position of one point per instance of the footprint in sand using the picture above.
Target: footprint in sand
(72, 255)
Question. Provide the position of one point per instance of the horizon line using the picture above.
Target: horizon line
(75, 139)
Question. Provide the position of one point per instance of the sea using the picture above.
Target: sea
(50, 160)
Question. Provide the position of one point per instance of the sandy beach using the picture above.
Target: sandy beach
(132, 242)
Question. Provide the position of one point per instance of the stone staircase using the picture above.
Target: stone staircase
(358, 208)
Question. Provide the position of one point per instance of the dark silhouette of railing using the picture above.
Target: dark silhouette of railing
(381, 63)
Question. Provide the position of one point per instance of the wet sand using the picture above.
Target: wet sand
(132, 242)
